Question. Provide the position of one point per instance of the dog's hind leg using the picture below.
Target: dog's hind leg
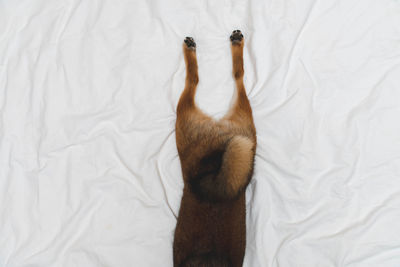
(186, 101)
(240, 112)
(191, 121)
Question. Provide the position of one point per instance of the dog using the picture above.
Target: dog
(217, 161)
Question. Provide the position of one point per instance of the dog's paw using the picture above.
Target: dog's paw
(236, 37)
(190, 43)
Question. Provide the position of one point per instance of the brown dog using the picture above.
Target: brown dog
(217, 159)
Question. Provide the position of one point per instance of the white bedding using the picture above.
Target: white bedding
(89, 171)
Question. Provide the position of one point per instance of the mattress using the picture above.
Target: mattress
(89, 170)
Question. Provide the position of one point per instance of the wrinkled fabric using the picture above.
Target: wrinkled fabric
(89, 171)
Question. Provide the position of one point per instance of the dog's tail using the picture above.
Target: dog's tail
(206, 260)
(224, 174)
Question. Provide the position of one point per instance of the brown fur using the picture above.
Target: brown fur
(217, 159)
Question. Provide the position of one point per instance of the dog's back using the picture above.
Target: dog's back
(217, 159)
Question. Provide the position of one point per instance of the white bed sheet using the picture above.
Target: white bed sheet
(89, 172)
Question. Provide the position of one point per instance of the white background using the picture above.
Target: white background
(89, 172)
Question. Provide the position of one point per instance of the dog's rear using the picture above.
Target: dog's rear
(217, 159)
(222, 174)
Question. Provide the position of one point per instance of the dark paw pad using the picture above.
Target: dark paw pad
(236, 36)
(189, 41)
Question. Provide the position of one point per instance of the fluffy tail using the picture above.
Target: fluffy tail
(223, 175)
(206, 260)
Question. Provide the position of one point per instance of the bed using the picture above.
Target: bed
(89, 171)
